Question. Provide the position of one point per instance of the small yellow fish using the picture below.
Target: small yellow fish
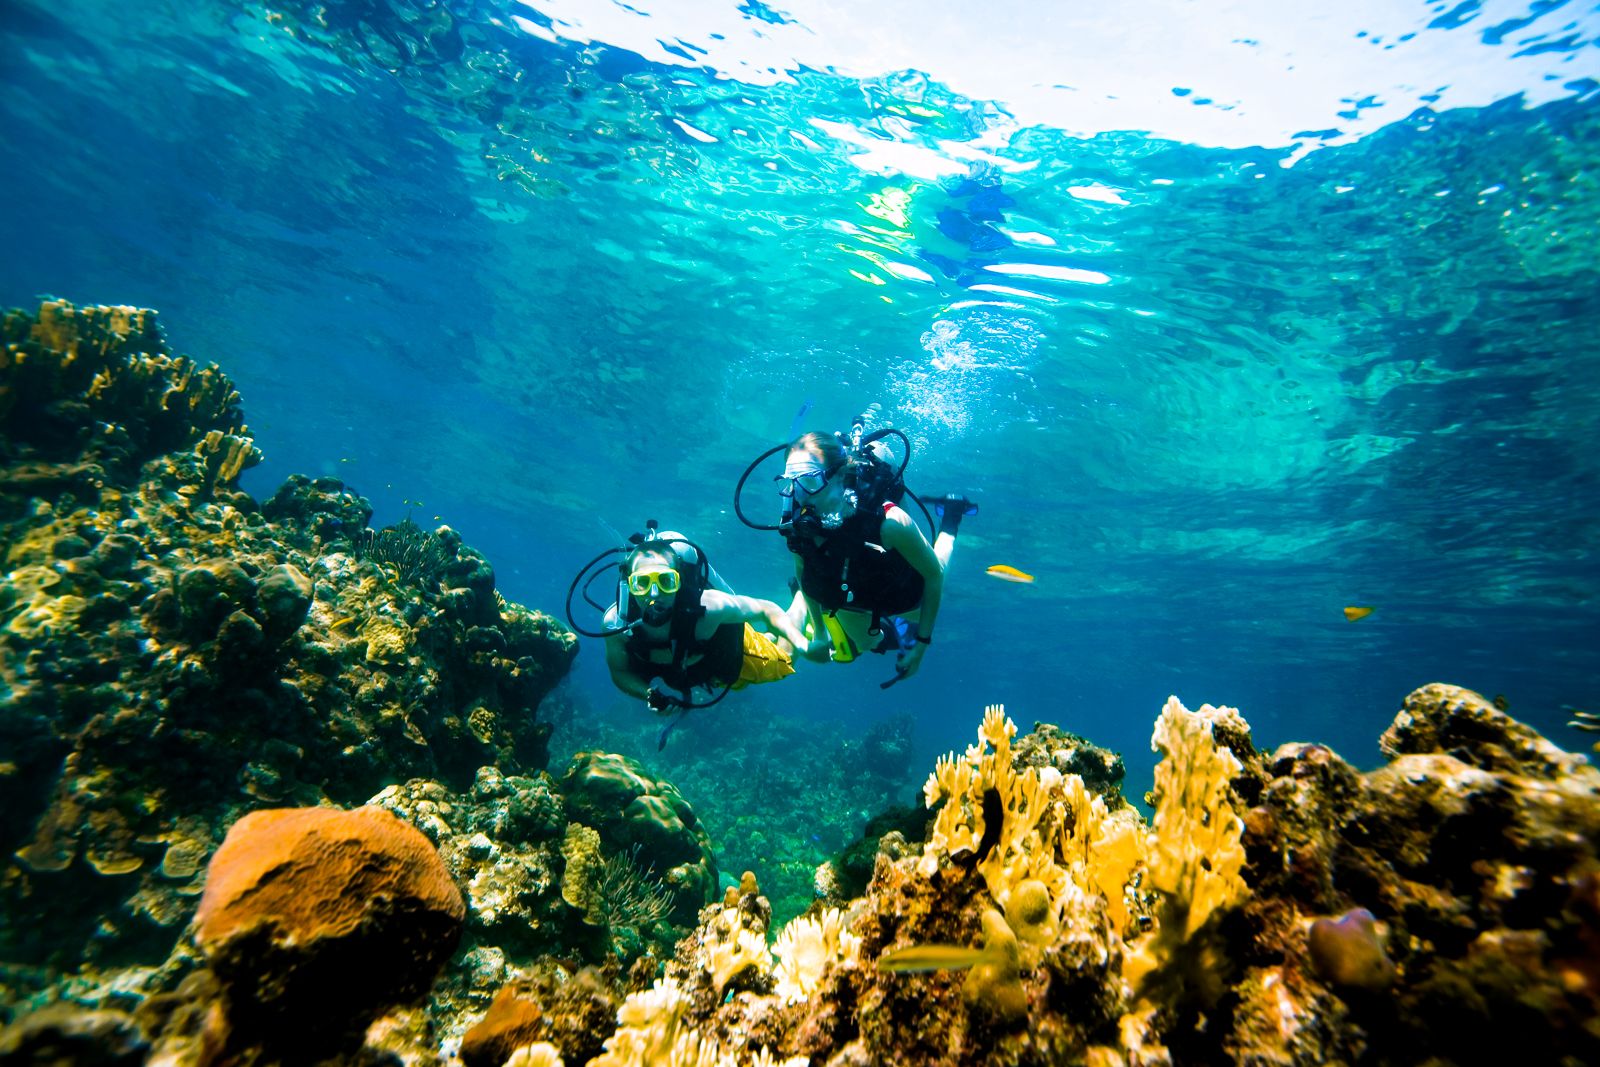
(1357, 613)
(1500, 702)
(932, 958)
(1010, 574)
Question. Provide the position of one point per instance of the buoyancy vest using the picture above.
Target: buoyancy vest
(721, 654)
(852, 569)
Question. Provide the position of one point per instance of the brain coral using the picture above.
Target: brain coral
(616, 796)
(325, 917)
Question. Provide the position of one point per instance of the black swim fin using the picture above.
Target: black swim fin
(956, 502)
(661, 739)
(951, 510)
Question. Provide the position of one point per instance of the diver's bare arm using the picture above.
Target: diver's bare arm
(902, 535)
(778, 624)
(818, 646)
(730, 607)
(621, 676)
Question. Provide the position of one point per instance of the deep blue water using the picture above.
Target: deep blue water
(1218, 388)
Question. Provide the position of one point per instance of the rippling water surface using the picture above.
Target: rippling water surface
(1229, 317)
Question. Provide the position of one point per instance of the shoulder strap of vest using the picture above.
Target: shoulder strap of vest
(681, 632)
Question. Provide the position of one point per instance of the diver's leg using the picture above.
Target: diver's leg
(951, 510)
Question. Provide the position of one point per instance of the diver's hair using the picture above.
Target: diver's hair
(825, 446)
(654, 551)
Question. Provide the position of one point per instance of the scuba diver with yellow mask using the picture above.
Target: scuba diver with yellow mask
(868, 579)
(675, 625)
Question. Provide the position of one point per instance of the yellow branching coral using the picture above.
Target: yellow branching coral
(1035, 827)
(991, 810)
(1103, 849)
(806, 947)
(1196, 847)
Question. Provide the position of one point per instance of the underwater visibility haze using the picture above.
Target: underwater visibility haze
(1232, 317)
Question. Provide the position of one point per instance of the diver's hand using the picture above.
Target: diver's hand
(661, 702)
(817, 651)
(907, 662)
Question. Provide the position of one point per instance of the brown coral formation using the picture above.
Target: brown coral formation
(316, 919)
(1474, 851)
(512, 1022)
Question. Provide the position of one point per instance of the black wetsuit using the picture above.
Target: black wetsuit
(852, 569)
(721, 654)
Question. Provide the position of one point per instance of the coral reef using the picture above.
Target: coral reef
(1242, 925)
(807, 947)
(174, 655)
(743, 783)
(1473, 852)
(500, 843)
(571, 1012)
(87, 395)
(177, 658)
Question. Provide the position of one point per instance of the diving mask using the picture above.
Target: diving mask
(808, 480)
(640, 583)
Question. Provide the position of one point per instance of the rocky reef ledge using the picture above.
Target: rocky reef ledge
(401, 882)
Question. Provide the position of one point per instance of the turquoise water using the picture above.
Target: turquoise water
(1214, 373)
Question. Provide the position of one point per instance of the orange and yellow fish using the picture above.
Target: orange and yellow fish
(1357, 613)
(1009, 574)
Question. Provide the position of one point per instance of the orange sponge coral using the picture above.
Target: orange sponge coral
(324, 917)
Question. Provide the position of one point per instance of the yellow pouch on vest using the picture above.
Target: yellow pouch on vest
(844, 649)
(764, 661)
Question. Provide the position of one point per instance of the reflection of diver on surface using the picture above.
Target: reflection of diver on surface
(975, 227)
(675, 622)
(868, 578)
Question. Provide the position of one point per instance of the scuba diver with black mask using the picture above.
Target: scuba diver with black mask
(675, 622)
(868, 580)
